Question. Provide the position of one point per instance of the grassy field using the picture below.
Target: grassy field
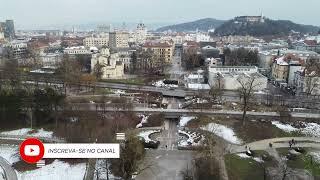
(247, 168)
(302, 161)
(243, 168)
(257, 130)
(250, 132)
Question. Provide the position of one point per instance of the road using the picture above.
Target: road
(169, 136)
(176, 70)
(166, 164)
(230, 96)
(9, 171)
(179, 112)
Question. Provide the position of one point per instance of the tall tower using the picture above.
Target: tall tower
(141, 33)
(9, 31)
(261, 18)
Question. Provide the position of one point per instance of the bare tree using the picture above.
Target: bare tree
(206, 165)
(312, 73)
(131, 156)
(312, 83)
(98, 70)
(248, 83)
(69, 71)
(217, 89)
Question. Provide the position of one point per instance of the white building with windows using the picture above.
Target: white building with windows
(50, 59)
(308, 83)
(76, 50)
(96, 41)
(140, 33)
(112, 67)
(18, 47)
(230, 76)
(118, 39)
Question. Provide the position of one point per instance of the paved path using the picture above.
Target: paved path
(166, 164)
(8, 170)
(311, 142)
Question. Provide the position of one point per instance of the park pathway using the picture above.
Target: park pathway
(10, 174)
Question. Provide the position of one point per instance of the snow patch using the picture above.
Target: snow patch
(315, 155)
(144, 119)
(29, 132)
(146, 134)
(245, 156)
(10, 153)
(101, 171)
(185, 119)
(222, 131)
(118, 91)
(193, 139)
(160, 83)
(309, 129)
(55, 170)
(284, 127)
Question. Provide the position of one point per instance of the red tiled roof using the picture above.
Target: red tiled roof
(151, 44)
(310, 42)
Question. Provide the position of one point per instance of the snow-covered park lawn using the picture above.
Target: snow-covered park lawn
(244, 155)
(29, 132)
(146, 134)
(9, 152)
(193, 139)
(308, 129)
(57, 170)
(222, 131)
(185, 119)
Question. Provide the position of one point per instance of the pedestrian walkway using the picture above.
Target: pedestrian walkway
(309, 142)
(10, 174)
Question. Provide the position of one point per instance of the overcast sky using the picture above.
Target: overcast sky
(35, 13)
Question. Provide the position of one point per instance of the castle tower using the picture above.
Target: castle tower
(261, 18)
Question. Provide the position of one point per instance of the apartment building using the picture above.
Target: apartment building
(118, 39)
(96, 41)
(161, 50)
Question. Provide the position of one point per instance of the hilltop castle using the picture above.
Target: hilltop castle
(250, 19)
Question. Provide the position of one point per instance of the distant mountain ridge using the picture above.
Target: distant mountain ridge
(201, 24)
(262, 28)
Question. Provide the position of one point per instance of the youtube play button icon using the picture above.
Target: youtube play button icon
(31, 150)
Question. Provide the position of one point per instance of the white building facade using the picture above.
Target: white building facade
(112, 67)
(76, 50)
(230, 76)
(118, 39)
(96, 41)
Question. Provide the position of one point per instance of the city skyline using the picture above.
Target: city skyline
(46, 13)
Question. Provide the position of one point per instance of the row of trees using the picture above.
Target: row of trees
(90, 126)
(146, 62)
(22, 106)
(192, 60)
(248, 85)
(312, 75)
(241, 57)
